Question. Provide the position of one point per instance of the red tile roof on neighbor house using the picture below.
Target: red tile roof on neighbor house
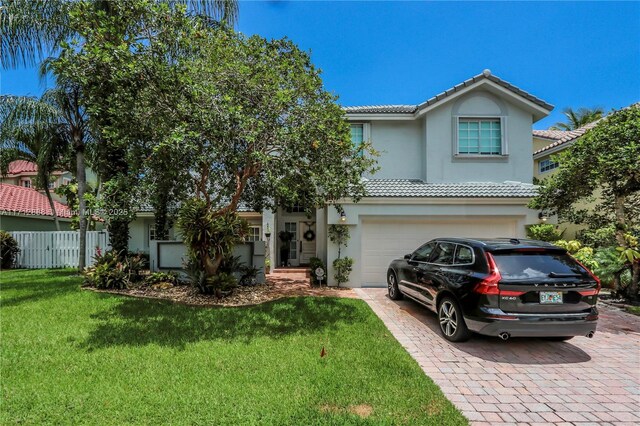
(23, 167)
(569, 136)
(29, 202)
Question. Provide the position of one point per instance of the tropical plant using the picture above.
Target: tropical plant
(29, 131)
(161, 277)
(113, 271)
(544, 232)
(209, 237)
(339, 235)
(8, 250)
(342, 269)
(604, 159)
(578, 118)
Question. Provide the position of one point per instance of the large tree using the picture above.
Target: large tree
(603, 165)
(578, 118)
(34, 30)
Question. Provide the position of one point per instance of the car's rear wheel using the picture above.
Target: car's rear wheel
(451, 321)
(392, 286)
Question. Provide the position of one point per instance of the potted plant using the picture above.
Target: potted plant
(285, 237)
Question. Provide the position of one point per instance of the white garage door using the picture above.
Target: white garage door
(386, 239)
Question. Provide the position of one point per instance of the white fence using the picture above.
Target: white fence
(57, 249)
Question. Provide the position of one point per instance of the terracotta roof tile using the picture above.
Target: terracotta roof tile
(28, 201)
(569, 136)
(550, 134)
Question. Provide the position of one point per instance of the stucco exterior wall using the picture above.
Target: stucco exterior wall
(402, 149)
(444, 166)
(22, 223)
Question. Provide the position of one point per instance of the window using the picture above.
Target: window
(422, 254)
(479, 136)
(66, 181)
(254, 234)
(536, 266)
(52, 185)
(547, 165)
(357, 133)
(443, 254)
(152, 232)
(25, 183)
(464, 255)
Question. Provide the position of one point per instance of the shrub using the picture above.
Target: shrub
(544, 232)
(315, 263)
(601, 237)
(217, 284)
(249, 275)
(342, 268)
(8, 250)
(111, 272)
(161, 277)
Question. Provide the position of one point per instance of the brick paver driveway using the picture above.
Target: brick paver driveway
(526, 381)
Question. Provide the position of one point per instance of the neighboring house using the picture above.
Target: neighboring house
(546, 144)
(26, 209)
(23, 173)
(458, 164)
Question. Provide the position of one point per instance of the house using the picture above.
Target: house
(26, 209)
(23, 173)
(457, 164)
(546, 144)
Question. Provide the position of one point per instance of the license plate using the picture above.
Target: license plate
(550, 297)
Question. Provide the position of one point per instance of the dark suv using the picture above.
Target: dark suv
(499, 287)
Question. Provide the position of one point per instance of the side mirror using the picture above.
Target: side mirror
(407, 256)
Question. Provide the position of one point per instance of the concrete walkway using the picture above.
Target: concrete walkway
(526, 381)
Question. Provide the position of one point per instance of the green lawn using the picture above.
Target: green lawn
(71, 356)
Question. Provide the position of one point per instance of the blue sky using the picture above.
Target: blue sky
(568, 53)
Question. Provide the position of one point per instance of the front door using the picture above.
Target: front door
(307, 244)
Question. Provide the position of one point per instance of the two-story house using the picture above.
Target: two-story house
(457, 164)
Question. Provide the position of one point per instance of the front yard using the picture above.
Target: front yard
(73, 356)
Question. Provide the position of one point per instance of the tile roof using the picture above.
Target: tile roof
(23, 167)
(146, 207)
(28, 201)
(418, 188)
(569, 136)
(388, 109)
(486, 74)
(550, 134)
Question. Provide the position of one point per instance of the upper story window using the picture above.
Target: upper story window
(480, 136)
(25, 183)
(52, 185)
(152, 232)
(548, 165)
(359, 132)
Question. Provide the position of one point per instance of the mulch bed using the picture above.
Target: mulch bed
(242, 296)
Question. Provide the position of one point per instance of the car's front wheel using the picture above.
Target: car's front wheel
(451, 321)
(392, 286)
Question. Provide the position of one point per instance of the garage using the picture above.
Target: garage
(385, 239)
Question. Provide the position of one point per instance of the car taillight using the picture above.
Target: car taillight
(490, 284)
(596, 279)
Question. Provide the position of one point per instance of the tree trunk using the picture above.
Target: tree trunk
(621, 222)
(53, 207)
(81, 177)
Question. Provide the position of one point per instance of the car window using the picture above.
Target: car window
(422, 254)
(443, 254)
(464, 255)
(536, 265)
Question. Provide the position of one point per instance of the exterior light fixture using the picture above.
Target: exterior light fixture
(343, 217)
(267, 232)
(543, 217)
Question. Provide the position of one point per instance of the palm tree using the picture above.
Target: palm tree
(579, 118)
(29, 131)
(33, 30)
